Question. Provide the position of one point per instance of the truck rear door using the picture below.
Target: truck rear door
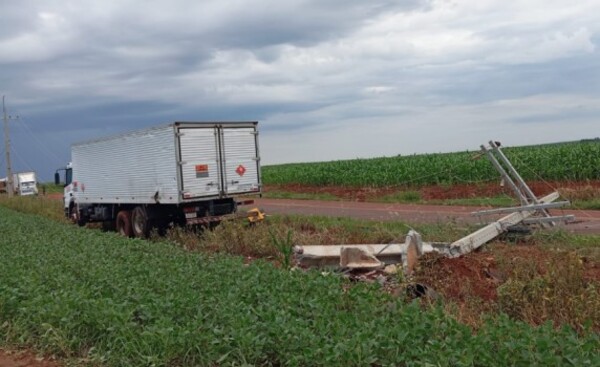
(239, 150)
(200, 162)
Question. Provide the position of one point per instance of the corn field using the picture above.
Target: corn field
(576, 161)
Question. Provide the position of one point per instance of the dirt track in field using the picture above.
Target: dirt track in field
(587, 221)
(24, 358)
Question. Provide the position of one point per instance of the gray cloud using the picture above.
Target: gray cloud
(327, 79)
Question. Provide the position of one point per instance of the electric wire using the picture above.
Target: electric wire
(22, 160)
(40, 144)
(538, 176)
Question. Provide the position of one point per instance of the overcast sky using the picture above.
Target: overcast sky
(326, 79)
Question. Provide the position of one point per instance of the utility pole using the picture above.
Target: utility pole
(9, 176)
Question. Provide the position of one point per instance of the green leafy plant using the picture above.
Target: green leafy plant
(285, 246)
(113, 301)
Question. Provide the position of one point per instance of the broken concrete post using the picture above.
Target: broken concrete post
(358, 258)
(414, 236)
(413, 248)
(329, 255)
(367, 256)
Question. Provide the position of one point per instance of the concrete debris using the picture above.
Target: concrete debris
(358, 258)
(329, 256)
(391, 269)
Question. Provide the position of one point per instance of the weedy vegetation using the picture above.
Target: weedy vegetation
(40, 205)
(558, 292)
(113, 301)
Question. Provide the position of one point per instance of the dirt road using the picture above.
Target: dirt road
(587, 221)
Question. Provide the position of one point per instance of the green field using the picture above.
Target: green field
(576, 161)
(81, 293)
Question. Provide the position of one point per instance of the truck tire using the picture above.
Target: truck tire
(75, 217)
(140, 222)
(123, 223)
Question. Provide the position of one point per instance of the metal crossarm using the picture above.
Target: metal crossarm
(521, 183)
(531, 207)
(504, 175)
(524, 193)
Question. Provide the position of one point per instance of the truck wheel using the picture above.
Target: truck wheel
(75, 216)
(140, 222)
(124, 223)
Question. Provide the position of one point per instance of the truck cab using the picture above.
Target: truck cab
(68, 192)
(25, 183)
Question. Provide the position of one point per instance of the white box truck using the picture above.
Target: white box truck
(182, 173)
(24, 184)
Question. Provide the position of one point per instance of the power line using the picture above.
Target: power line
(43, 146)
(22, 160)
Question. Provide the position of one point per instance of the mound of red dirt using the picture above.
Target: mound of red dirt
(479, 274)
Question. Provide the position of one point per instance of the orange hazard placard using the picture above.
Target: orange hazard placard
(201, 170)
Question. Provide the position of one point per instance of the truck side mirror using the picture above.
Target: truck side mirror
(56, 178)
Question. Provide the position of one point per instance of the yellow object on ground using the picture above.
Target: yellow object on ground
(255, 215)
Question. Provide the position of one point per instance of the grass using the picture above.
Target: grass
(272, 194)
(587, 197)
(589, 204)
(113, 301)
(586, 246)
(401, 197)
(555, 290)
(51, 188)
(40, 205)
(413, 197)
(238, 238)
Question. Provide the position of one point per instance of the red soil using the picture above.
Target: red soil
(434, 192)
(24, 359)
(479, 274)
(460, 278)
(55, 196)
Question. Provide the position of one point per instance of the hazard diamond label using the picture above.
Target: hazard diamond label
(240, 170)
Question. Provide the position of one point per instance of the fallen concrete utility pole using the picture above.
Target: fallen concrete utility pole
(494, 229)
(363, 256)
(375, 256)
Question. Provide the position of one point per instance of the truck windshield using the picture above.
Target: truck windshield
(68, 176)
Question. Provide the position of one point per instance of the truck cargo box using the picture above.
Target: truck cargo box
(171, 164)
